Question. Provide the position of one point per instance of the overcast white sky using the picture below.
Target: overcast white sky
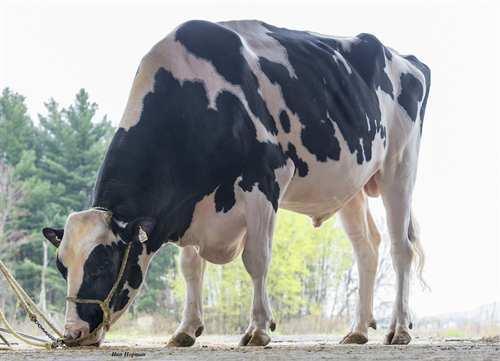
(52, 49)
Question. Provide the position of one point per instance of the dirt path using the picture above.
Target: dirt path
(312, 348)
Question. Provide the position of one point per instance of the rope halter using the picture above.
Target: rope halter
(104, 305)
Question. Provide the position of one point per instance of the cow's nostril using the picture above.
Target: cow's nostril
(72, 334)
(75, 333)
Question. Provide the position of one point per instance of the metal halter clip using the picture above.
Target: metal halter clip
(143, 236)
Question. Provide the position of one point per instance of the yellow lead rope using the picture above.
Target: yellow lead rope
(48, 345)
(31, 309)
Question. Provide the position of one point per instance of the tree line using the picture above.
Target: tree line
(47, 170)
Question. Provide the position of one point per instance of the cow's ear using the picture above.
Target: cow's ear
(54, 236)
(140, 230)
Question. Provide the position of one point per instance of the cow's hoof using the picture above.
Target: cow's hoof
(400, 338)
(245, 339)
(354, 338)
(388, 338)
(256, 338)
(181, 339)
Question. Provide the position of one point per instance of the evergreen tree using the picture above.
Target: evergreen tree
(73, 146)
(16, 127)
(17, 153)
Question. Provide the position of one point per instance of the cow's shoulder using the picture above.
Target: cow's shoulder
(215, 43)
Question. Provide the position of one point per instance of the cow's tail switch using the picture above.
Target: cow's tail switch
(418, 251)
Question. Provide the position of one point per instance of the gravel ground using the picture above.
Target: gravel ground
(307, 347)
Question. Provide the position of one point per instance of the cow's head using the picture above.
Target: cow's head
(90, 253)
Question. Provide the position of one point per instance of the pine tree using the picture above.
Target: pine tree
(73, 146)
(17, 153)
(16, 127)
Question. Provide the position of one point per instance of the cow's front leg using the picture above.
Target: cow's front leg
(256, 257)
(192, 268)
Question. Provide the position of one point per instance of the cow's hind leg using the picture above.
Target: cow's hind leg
(365, 238)
(192, 268)
(396, 189)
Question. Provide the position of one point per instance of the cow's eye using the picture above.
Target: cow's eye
(97, 272)
(102, 268)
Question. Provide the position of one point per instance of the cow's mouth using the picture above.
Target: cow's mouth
(85, 341)
(76, 344)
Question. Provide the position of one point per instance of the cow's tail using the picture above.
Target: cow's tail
(418, 251)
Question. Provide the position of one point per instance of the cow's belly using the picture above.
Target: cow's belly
(219, 236)
(329, 185)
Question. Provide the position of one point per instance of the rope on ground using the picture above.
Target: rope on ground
(33, 313)
(4, 340)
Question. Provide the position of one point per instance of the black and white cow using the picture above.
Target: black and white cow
(227, 122)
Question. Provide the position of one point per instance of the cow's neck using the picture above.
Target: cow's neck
(172, 214)
(131, 287)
